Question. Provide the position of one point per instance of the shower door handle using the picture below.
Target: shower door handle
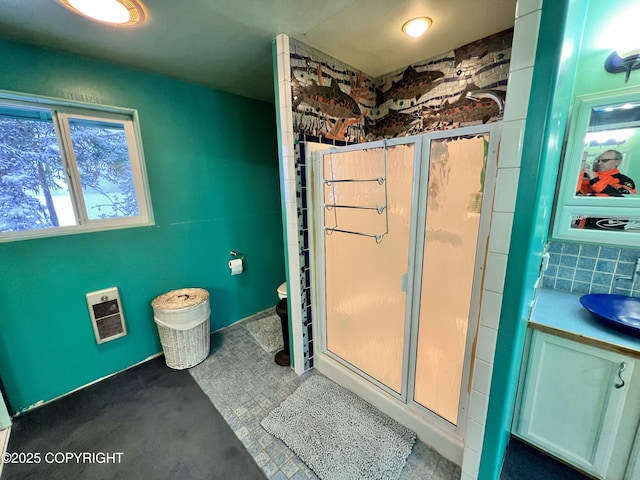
(404, 282)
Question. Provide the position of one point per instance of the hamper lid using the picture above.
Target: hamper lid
(182, 298)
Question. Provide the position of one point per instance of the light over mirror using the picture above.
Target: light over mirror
(598, 197)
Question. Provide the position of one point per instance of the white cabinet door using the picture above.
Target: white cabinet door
(572, 400)
(633, 469)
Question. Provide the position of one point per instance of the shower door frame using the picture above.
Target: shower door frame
(320, 332)
(494, 131)
(408, 411)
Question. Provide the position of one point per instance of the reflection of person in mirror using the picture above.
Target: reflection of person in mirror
(604, 179)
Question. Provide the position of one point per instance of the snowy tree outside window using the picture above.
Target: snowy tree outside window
(67, 170)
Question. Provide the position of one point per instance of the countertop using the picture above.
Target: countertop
(561, 313)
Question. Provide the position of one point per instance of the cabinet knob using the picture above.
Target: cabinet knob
(623, 367)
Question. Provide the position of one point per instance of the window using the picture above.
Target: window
(69, 169)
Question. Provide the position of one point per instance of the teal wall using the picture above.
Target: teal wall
(604, 24)
(212, 165)
(557, 78)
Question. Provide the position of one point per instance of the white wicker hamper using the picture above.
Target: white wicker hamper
(182, 317)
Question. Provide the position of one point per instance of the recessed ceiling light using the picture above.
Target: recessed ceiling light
(122, 13)
(417, 26)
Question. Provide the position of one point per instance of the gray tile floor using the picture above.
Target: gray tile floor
(245, 384)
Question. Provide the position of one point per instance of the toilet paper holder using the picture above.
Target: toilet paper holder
(236, 264)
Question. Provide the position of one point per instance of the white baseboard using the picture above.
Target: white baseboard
(41, 402)
(4, 443)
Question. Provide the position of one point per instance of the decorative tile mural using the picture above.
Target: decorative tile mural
(336, 104)
(465, 86)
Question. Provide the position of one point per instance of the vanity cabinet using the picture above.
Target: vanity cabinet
(578, 402)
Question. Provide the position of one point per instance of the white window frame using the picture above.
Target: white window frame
(61, 112)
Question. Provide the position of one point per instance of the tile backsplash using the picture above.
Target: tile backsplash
(588, 268)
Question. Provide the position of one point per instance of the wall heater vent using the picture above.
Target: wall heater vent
(106, 314)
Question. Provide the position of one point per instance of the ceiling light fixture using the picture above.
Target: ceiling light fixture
(121, 13)
(417, 26)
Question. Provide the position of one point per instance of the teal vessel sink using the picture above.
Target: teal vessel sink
(616, 311)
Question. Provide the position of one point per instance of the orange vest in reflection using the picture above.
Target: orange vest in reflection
(611, 183)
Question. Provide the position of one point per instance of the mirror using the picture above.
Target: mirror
(608, 163)
(598, 198)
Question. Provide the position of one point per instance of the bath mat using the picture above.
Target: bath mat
(267, 332)
(338, 435)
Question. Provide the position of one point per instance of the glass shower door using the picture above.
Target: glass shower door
(457, 167)
(402, 231)
(367, 218)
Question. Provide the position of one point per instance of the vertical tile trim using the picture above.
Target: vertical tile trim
(492, 301)
(286, 142)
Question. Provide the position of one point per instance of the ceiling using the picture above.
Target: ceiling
(226, 44)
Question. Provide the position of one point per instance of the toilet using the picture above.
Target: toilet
(282, 358)
(282, 291)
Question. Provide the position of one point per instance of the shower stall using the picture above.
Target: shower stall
(400, 234)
